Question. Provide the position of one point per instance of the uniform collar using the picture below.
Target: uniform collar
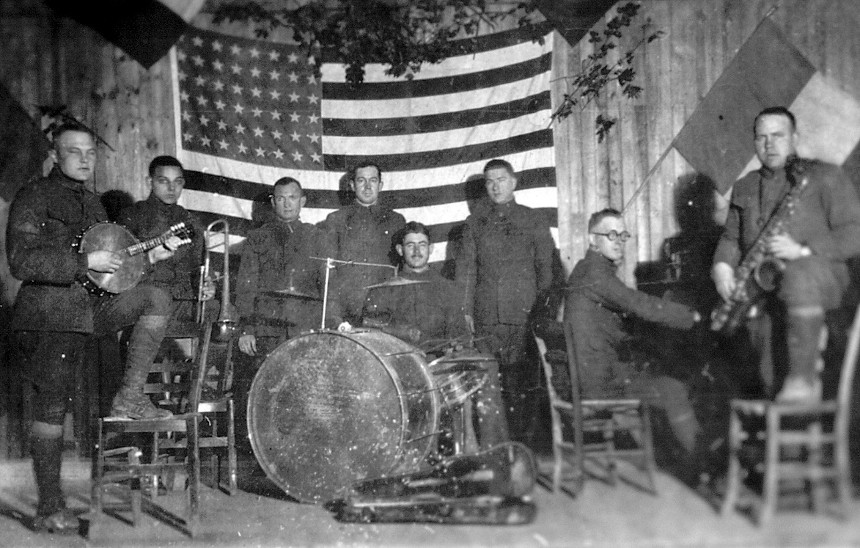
(58, 176)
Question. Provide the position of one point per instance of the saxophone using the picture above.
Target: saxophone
(758, 271)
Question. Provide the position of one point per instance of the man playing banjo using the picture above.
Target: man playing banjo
(54, 313)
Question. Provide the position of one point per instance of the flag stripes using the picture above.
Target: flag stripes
(251, 112)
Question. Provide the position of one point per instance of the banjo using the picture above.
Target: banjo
(114, 237)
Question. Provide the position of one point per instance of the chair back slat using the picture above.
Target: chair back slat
(846, 377)
(547, 369)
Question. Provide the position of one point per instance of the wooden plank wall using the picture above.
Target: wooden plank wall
(701, 38)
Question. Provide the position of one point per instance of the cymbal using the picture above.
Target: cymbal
(395, 282)
(292, 292)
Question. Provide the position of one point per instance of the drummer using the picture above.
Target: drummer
(423, 308)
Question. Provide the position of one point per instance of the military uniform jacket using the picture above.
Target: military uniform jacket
(505, 262)
(433, 307)
(597, 303)
(45, 220)
(361, 234)
(826, 218)
(274, 257)
(180, 274)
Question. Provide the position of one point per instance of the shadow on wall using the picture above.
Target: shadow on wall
(115, 201)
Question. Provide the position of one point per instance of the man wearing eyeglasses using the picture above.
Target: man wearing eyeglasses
(361, 232)
(597, 305)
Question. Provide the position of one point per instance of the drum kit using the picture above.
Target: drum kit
(328, 410)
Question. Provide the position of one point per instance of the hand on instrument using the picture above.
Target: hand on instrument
(783, 246)
(104, 261)
(248, 344)
(724, 280)
(208, 289)
(167, 249)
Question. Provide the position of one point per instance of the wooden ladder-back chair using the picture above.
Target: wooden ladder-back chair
(589, 428)
(797, 442)
(193, 429)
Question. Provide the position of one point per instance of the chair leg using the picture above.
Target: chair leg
(98, 473)
(814, 457)
(193, 476)
(231, 450)
(843, 476)
(770, 490)
(649, 464)
(135, 490)
(734, 472)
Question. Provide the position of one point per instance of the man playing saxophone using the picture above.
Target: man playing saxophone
(813, 239)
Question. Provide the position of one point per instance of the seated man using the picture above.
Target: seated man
(429, 313)
(597, 303)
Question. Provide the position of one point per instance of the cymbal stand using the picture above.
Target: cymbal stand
(329, 265)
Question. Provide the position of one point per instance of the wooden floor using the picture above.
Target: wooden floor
(260, 515)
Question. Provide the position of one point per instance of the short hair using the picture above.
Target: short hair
(363, 165)
(163, 161)
(65, 127)
(284, 181)
(776, 111)
(499, 163)
(595, 218)
(413, 227)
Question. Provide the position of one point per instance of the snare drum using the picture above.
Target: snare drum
(327, 409)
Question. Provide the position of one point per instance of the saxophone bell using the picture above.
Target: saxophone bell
(768, 273)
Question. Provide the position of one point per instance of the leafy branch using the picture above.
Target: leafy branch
(598, 72)
(400, 35)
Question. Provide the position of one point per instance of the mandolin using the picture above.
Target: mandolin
(117, 238)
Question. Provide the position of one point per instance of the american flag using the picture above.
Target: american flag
(251, 111)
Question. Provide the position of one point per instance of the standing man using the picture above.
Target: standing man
(54, 313)
(277, 257)
(597, 303)
(361, 232)
(427, 314)
(155, 215)
(504, 264)
(814, 243)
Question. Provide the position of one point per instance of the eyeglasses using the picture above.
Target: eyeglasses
(613, 235)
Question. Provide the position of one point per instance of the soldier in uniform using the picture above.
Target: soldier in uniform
(504, 264)
(361, 232)
(152, 217)
(54, 312)
(428, 313)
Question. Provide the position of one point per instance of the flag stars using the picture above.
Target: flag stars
(279, 154)
(235, 50)
(255, 72)
(316, 158)
(218, 65)
(183, 96)
(294, 97)
(310, 60)
(275, 94)
(202, 101)
(197, 60)
(293, 58)
(294, 117)
(186, 116)
(294, 78)
(295, 136)
(187, 136)
(260, 152)
(181, 75)
(218, 85)
(219, 104)
(199, 80)
(222, 125)
(256, 92)
(276, 135)
(238, 108)
(237, 89)
(314, 137)
(217, 46)
(240, 129)
(274, 75)
(257, 112)
(274, 55)
(180, 55)
(242, 148)
(313, 99)
(255, 53)
(313, 118)
(297, 156)
(222, 144)
(258, 132)
(311, 79)
(236, 68)
(204, 121)
(206, 141)
(197, 41)
(276, 115)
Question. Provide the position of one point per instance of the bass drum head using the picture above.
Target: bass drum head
(327, 409)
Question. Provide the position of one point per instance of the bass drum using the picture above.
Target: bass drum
(328, 409)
